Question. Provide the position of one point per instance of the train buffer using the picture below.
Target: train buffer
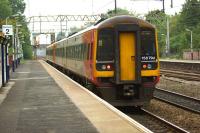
(42, 100)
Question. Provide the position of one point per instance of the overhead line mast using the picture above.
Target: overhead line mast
(115, 7)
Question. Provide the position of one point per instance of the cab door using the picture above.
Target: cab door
(127, 54)
(127, 44)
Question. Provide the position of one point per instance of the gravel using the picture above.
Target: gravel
(189, 88)
(184, 119)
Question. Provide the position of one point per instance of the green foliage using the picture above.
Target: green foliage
(120, 11)
(18, 6)
(27, 51)
(25, 38)
(11, 8)
(158, 18)
(189, 18)
(60, 36)
(5, 9)
(190, 15)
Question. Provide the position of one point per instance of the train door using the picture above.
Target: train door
(127, 54)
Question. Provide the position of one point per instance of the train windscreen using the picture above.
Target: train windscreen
(105, 46)
(148, 50)
(148, 44)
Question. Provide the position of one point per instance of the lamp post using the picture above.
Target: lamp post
(191, 45)
(16, 44)
(13, 43)
(166, 45)
(115, 7)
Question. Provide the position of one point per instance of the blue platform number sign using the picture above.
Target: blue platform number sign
(7, 29)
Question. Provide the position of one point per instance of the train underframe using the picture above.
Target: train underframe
(117, 95)
(126, 94)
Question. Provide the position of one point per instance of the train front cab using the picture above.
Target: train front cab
(127, 58)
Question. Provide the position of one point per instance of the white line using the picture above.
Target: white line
(32, 78)
(31, 72)
(23, 72)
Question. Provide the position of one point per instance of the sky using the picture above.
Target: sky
(88, 7)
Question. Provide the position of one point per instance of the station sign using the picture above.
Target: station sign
(7, 29)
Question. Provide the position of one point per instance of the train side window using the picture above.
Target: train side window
(91, 48)
(88, 51)
(105, 46)
(84, 51)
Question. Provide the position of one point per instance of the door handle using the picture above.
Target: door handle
(132, 58)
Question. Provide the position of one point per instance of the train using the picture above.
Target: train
(116, 58)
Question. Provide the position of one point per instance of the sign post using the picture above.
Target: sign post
(8, 31)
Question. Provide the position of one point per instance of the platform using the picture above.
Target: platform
(180, 61)
(43, 100)
(192, 66)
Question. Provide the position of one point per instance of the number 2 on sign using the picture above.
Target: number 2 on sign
(7, 31)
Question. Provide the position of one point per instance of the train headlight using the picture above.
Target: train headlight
(144, 66)
(103, 67)
(149, 66)
(108, 67)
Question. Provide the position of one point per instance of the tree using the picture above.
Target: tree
(60, 36)
(189, 18)
(5, 10)
(25, 38)
(158, 18)
(18, 6)
(120, 11)
(190, 14)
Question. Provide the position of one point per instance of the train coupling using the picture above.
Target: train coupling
(128, 90)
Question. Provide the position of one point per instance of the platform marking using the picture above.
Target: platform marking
(31, 72)
(33, 108)
(32, 78)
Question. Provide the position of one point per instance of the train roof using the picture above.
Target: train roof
(111, 22)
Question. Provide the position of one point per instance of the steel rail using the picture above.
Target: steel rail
(181, 75)
(177, 95)
(171, 125)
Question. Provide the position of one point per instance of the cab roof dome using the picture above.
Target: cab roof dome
(124, 19)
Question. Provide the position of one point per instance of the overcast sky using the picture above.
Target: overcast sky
(75, 7)
(88, 7)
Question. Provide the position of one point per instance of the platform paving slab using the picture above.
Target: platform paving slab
(36, 104)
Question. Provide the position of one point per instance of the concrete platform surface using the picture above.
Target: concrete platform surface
(43, 100)
(180, 61)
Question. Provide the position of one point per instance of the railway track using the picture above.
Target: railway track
(178, 100)
(180, 74)
(152, 121)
